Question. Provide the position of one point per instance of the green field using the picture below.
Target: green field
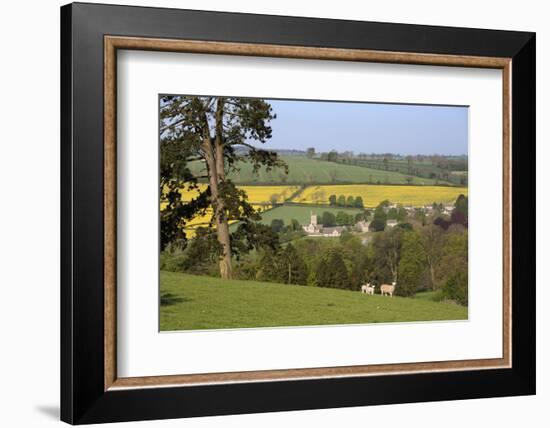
(300, 213)
(190, 302)
(302, 170)
(424, 169)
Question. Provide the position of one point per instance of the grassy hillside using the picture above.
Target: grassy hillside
(425, 169)
(190, 302)
(303, 170)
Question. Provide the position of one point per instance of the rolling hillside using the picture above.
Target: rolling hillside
(303, 170)
(190, 302)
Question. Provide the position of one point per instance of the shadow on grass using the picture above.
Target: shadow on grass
(168, 299)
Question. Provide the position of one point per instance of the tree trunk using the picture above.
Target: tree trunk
(432, 276)
(222, 228)
(213, 154)
(226, 270)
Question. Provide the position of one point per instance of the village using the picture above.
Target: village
(316, 229)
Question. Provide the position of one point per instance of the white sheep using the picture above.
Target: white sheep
(387, 290)
(368, 289)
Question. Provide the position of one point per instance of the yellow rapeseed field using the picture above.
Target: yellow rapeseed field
(258, 196)
(261, 197)
(374, 194)
(264, 194)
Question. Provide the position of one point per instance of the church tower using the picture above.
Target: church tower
(313, 220)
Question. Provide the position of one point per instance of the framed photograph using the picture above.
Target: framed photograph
(266, 213)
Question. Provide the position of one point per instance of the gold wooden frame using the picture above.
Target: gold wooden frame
(113, 43)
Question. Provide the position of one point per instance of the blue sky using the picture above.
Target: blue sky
(369, 127)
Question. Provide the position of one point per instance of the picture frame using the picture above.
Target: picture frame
(91, 391)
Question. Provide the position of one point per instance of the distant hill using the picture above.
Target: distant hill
(289, 152)
(303, 170)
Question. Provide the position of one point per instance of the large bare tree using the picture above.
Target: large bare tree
(218, 133)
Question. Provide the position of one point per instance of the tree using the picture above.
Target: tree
(412, 264)
(401, 213)
(358, 202)
(355, 256)
(420, 215)
(295, 225)
(341, 201)
(333, 156)
(461, 204)
(458, 217)
(456, 288)
(293, 269)
(332, 271)
(442, 223)
(460, 211)
(350, 201)
(328, 219)
(215, 131)
(392, 214)
(268, 266)
(250, 236)
(310, 152)
(277, 225)
(342, 218)
(379, 219)
(453, 270)
(203, 250)
(332, 200)
(387, 250)
(433, 240)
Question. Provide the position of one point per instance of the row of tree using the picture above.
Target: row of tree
(343, 201)
(420, 258)
(416, 257)
(456, 163)
(341, 218)
(327, 219)
(424, 258)
(434, 166)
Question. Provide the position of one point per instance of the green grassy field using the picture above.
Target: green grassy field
(424, 168)
(190, 302)
(300, 213)
(302, 170)
(426, 295)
